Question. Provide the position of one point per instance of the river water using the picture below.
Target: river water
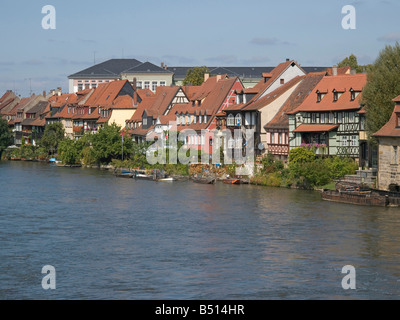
(113, 238)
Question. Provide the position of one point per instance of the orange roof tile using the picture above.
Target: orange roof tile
(391, 128)
(316, 128)
(307, 85)
(330, 83)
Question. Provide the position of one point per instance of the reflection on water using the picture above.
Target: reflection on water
(111, 238)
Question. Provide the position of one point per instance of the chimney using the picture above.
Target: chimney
(206, 76)
(162, 65)
(219, 77)
(287, 59)
(53, 92)
(334, 70)
(44, 93)
(134, 84)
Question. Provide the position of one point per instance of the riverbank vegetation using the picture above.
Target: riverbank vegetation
(305, 170)
(107, 148)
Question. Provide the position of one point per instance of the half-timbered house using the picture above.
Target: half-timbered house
(329, 118)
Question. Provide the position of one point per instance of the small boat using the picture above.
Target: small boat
(127, 175)
(204, 180)
(141, 176)
(232, 181)
(166, 179)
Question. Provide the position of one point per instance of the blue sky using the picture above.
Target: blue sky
(184, 33)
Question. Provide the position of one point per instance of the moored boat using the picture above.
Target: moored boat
(232, 181)
(204, 180)
(356, 197)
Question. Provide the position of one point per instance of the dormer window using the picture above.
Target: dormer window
(320, 95)
(398, 120)
(199, 103)
(335, 96)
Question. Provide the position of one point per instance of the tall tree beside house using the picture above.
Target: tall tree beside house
(383, 85)
(52, 136)
(5, 136)
(107, 144)
(195, 76)
(69, 152)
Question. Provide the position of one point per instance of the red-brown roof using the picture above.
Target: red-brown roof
(391, 128)
(330, 83)
(307, 85)
(316, 128)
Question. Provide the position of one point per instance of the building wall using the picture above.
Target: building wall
(289, 74)
(120, 116)
(388, 164)
(68, 127)
(149, 77)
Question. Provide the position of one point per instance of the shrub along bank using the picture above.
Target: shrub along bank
(306, 170)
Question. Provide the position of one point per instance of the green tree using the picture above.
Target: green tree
(52, 136)
(107, 144)
(6, 137)
(382, 87)
(69, 152)
(352, 62)
(301, 155)
(195, 76)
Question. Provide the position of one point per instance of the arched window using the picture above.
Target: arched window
(238, 120)
(231, 120)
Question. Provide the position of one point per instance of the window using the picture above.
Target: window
(231, 120)
(147, 84)
(335, 96)
(238, 120)
(340, 117)
(282, 81)
(352, 95)
(313, 118)
(205, 118)
(154, 85)
(331, 118)
(187, 119)
(90, 110)
(322, 117)
(280, 138)
(272, 138)
(394, 155)
(139, 84)
(354, 141)
(351, 117)
(200, 119)
(145, 121)
(80, 87)
(195, 119)
(398, 120)
(344, 142)
(163, 83)
(178, 119)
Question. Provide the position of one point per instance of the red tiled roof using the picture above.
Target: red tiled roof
(316, 128)
(281, 119)
(391, 128)
(330, 83)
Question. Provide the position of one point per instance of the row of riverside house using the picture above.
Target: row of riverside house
(287, 108)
